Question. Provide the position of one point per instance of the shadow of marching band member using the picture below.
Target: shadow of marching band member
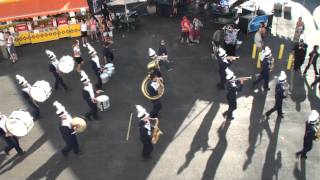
(311, 132)
(67, 131)
(26, 87)
(267, 62)
(279, 95)
(53, 68)
(11, 140)
(233, 87)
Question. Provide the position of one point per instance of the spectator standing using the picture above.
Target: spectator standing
(174, 8)
(3, 47)
(197, 26)
(84, 32)
(185, 27)
(11, 48)
(93, 29)
(107, 53)
(299, 30)
(163, 55)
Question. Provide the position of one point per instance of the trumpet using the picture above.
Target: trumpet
(245, 78)
(233, 58)
(144, 88)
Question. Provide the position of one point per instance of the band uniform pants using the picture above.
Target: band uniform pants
(93, 110)
(154, 113)
(232, 106)
(277, 107)
(13, 142)
(147, 149)
(59, 80)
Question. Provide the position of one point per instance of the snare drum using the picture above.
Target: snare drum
(104, 77)
(103, 102)
(109, 65)
(40, 91)
(110, 73)
(79, 124)
(66, 64)
(19, 123)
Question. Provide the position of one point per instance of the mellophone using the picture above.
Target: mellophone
(19, 123)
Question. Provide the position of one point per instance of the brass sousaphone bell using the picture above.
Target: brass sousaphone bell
(144, 88)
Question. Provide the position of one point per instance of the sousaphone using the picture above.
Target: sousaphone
(144, 88)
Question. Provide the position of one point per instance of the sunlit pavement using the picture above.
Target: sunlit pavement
(197, 142)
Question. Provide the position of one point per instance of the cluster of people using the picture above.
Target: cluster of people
(8, 49)
(190, 31)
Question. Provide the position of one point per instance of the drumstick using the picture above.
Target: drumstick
(129, 127)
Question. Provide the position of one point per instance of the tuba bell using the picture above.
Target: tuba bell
(144, 88)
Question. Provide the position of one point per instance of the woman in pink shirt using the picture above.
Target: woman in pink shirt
(93, 29)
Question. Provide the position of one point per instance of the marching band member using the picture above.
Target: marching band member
(95, 64)
(88, 95)
(145, 129)
(25, 93)
(224, 62)
(233, 87)
(154, 57)
(312, 127)
(267, 66)
(279, 95)
(67, 131)
(152, 88)
(53, 68)
(11, 140)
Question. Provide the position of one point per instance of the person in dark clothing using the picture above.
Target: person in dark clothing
(163, 55)
(233, 87)
(11, 140)
(312, 127)
(152, 89)
(88, 95)
(53, 68)
(107, 53)
(299, 51)
(279, 95)
(67, 132)
(95, 65)
(267, 66)
(313, 57)
(35, 109)
(145, 130)
(224, 62)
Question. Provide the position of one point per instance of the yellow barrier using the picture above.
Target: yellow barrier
(44, 36)
(64, 31)
(281, 51)
(254, 51)
(74, 30)
(22, 38)
(259, 60)
(290, 62)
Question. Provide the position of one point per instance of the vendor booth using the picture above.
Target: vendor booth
(34, 21)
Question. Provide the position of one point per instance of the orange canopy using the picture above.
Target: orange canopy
(19, 9)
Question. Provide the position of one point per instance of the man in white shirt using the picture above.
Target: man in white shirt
(3, 47)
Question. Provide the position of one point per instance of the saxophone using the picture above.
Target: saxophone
(156, 131)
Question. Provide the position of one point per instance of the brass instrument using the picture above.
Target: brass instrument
(144, 88)
(153, 65)
(156, 131)
(245, 78)
(233, 58)
(79, 125)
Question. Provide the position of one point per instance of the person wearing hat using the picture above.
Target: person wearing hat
(233, 87)
(145, 130)
(88, 95)
(35, 110)
(312, 128)
(53, 68)
(67, 132)
(299, 52)
(154, 57)
(279, 95)
(224, 62)
(267, 66)
(152, 89)
(11, 140)
(163, 55)
(95, 65)
(313, 57)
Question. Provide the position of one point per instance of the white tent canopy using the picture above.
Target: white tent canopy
(124, 2)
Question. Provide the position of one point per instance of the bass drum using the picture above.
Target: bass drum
(19, 123)
(40, 91)
(66, 64)
(79, 124)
